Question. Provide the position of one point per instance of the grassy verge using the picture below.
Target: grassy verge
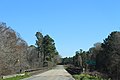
(87, 77)
(17, 77)
(77, 74)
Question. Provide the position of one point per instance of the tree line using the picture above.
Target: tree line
(16, 56)
(102, 57)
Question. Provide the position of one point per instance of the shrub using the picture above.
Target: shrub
(87, 77)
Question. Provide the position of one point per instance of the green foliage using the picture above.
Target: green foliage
(77, 60)
(110, 56)
(80, 59)
(17, 77)
(49, 48)
(39, 43)
(87, 77)
(46, 49)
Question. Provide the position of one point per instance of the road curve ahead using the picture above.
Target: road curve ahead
(59, 73)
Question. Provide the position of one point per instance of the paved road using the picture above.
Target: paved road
(59, 73)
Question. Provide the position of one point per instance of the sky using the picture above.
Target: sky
(73, 24)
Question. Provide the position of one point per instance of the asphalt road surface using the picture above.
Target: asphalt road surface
(58, 73)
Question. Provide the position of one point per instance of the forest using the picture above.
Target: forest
(16, 56)
(101, 59)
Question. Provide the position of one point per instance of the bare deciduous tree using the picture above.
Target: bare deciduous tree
(13, 51)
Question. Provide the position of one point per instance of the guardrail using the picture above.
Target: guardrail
(30, 71)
